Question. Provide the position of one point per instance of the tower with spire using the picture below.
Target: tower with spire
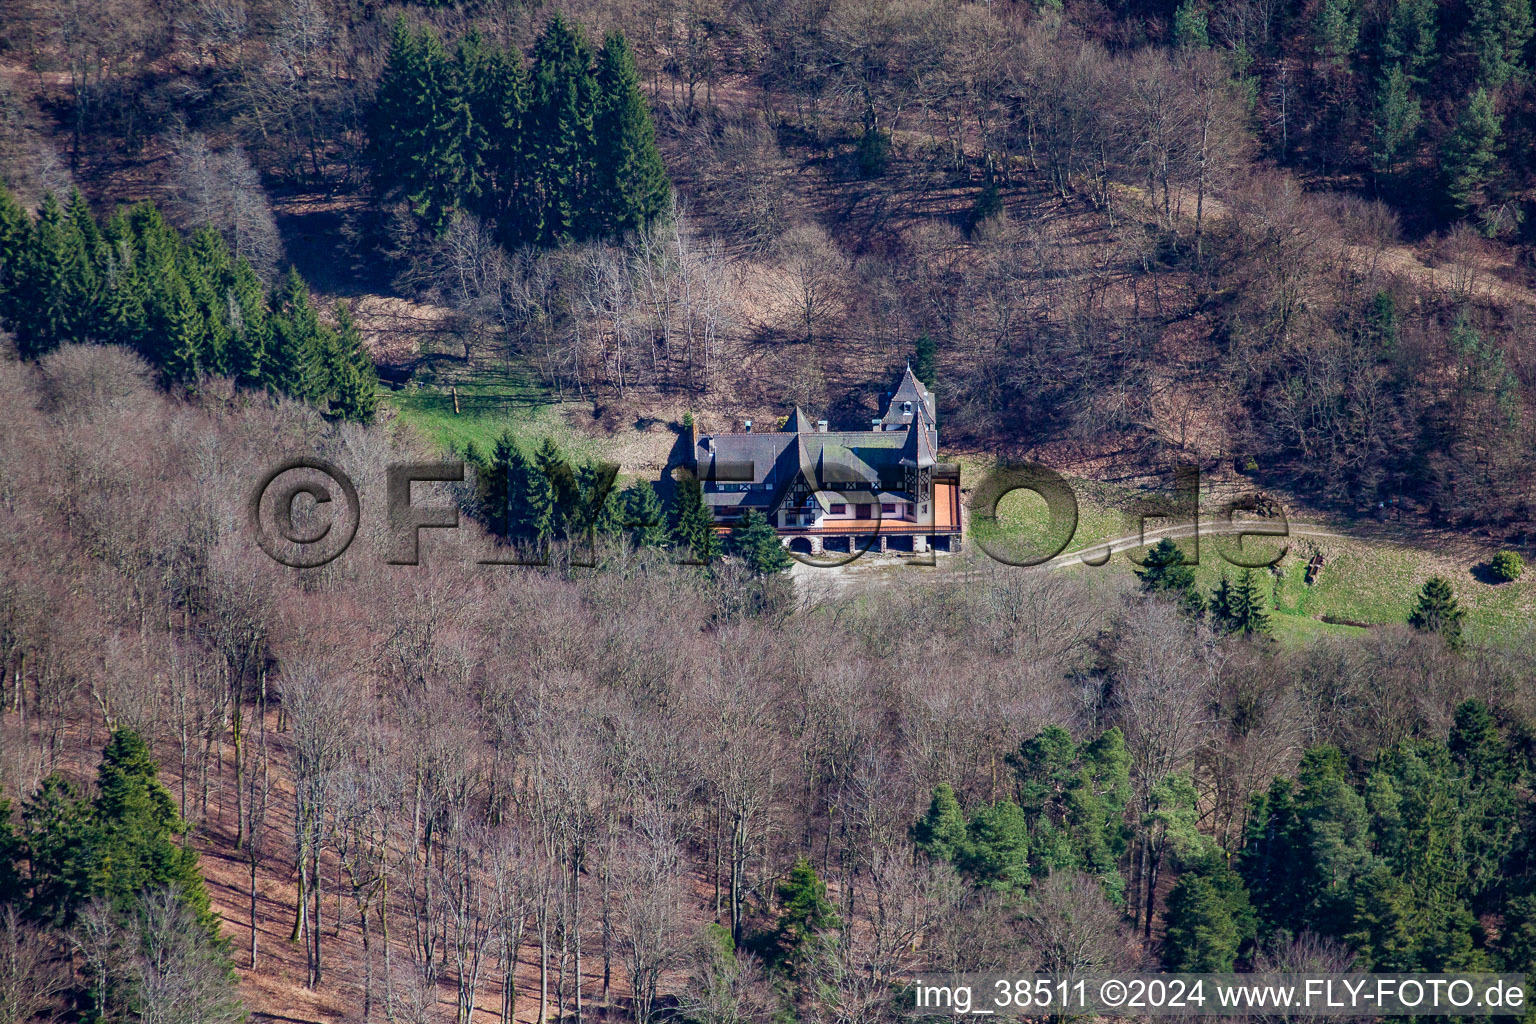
(883, 485)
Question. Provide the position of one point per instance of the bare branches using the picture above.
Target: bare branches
(222, 190)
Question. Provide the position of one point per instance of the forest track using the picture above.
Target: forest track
(874, 573)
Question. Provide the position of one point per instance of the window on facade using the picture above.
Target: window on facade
(864, 512)
(886, 508)
(839, 509)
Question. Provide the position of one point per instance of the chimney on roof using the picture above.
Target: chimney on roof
(748, 426)
(874, 424)
(821, 426)
(709, 445)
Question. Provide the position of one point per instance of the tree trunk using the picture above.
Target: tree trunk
(315, 925)
(544, 956)
(362, 918)
(576, 924)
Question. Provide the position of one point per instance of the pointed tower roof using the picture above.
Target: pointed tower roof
(912, 390)
(911, 403)
(798, 422)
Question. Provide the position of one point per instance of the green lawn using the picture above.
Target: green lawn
(1362, 580)
(489, 404)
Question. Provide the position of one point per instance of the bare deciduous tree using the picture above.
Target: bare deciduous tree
(816, 272)
(31, 977)
(222, 190)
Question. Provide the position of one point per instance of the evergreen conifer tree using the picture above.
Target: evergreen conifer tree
(1079, 793)
(692, 524)
(15, 229)
(1163, 571)
(420, 131)
(134, 835)
(495, 483)
(1308, 842)
(631, 187)
(157, 272)
(755, 542)
(1220, 604)
(1409, 40)
(1437, 611)
(439, 183)
(1496, 32)
(1190, 26)
(83, 279)
(295, 359)
(180, 327)
(1397, 121)
(1517, 938)
(15, 225)
(996, 854)
(1380, 921)
(1208, 917)
(597, 502)
(1240, 608)
(925, 359)
(354, 382)
(561, 108)
(498, 102)
(805, 912)
(562, 480)
(395, 114)
(1470, 154)
(873, 153)
(1382, 323)
(40, 309)
(11, 852)
(532, 511)
(54, 828)
(247, 316)
(471, 69)
(941, 833)
(125, 313)
(1336, 32)
(644, 517)
(1475, 744)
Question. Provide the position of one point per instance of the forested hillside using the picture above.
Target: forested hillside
(643, 791)
(591, 758)
(1288, 238)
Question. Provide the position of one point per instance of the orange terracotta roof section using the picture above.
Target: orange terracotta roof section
(946, 505)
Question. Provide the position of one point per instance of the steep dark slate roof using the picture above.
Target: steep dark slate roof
(771, 463)
(909, 390)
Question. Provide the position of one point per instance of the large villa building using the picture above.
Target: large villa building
(882, 488)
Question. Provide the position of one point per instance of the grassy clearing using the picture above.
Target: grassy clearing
(1362, 580)
(487, 405)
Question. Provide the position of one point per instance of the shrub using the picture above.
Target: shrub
(1507, 566)
(988, 205)
(874, 152)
